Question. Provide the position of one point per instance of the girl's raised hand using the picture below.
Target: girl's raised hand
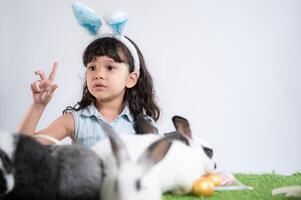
(43, 89)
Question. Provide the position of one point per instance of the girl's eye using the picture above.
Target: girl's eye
(110, 67)
(91, 68)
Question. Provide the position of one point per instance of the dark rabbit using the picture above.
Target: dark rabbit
(27, 169)
(81, 172)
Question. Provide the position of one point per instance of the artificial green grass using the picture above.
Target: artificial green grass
(262, 184)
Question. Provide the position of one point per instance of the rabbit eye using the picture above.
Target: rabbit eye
(208, 151)
(138, 185)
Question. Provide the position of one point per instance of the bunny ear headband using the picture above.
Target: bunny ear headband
(116, 21)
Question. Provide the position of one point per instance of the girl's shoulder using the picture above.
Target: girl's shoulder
(77, 114)
(67, 120)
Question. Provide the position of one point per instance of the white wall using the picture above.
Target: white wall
(231, 67)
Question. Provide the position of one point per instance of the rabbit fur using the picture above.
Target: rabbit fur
(132, 179)
(28, 170)
(81, 172)
(182, 165)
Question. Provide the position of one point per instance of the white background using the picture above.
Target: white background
(231, 67)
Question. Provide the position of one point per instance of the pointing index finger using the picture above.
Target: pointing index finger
(53, 72)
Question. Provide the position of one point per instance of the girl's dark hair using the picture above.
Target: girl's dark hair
(141, 97)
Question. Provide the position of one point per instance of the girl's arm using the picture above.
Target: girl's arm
(31, 118)
(62, 127)
(42, 92)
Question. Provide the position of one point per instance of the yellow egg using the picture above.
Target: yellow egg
(203, 187)
(215, 178)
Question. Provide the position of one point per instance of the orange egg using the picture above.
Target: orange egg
(215, 178)
(203, 187)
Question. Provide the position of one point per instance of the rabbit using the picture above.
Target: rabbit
(30, 170)
(27, 169)
(128, 179)
(81, 172)
(185, 161)
(192, 160)
(145, 125)
(184, 134)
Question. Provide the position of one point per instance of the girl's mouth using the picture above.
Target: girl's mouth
(99, 87)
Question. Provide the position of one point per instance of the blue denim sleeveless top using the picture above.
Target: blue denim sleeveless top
(88, 129)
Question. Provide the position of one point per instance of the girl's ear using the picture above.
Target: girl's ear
(132, 80)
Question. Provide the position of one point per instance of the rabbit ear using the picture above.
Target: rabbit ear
(118, 147)
(86, 17)
(182, 125)
(116, 21)
(175, 135)
(154, 153)
(144, 124)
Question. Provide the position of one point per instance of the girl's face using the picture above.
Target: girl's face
(107, 80)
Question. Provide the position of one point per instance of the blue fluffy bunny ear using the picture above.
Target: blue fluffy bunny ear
(86, 17)
(116, 21)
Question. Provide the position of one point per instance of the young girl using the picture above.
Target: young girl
(114, 92)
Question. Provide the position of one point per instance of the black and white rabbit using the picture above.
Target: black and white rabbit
(30, 170)
(27, 169)
(184, 162)
(129, 179)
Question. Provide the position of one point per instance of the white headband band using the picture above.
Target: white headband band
(116, 21)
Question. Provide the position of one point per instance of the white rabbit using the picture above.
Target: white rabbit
(184, 162)
(132, 180)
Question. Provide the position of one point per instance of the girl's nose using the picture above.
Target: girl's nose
(99, 74)
(98, 77)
